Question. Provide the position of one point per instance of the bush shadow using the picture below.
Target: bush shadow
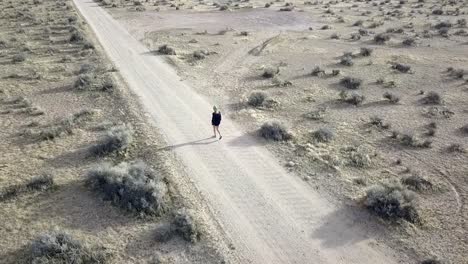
(347, 226)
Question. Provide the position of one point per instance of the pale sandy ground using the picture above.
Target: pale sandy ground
(270, 215)
(228, 75)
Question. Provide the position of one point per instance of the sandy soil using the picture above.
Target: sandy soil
(38, 92)
(296, 43)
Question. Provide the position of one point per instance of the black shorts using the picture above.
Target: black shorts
(215, 123)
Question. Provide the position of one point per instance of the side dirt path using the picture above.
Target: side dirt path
(270, 215)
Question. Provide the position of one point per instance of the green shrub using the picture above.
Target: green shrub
(132, 186)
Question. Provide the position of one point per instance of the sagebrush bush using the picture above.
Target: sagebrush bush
(354, 98)
(317, 71)
(455, 147)
(443, 24)
(409, 42)
(401, 67)
(274, 131)
(392, 98)
(358, 23)
(59, 247)
(381, 38)
(464, 129)
(432, 98)
(85, 81)
(200, 54)
(457, 73)
(117, 139)
(411, 140)
(346, 61)
(166, 50)
(379, 122)
(76, 37)
(132, 186)
(40, 183)
(318, 114)
(392, 201)
(256, 99)
(365, 52)
(323, 135)
(185, 226)
(270, 72)
(350, 82)
(65, 126)
(417, 183)
(335, 36)
(433, 261)
(18, 58)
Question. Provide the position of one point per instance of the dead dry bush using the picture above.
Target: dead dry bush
(63, 126)
(36, 184)
(411, 140)
(417, 183)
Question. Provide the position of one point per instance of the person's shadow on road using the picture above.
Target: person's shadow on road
(204, 141)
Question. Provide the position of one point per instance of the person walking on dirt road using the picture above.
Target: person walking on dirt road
(215, 121)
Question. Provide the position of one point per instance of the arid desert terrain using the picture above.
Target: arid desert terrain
(353, 114)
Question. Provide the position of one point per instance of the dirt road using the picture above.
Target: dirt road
(271, 216)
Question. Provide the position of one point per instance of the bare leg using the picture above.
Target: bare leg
(214, 131)
(217, 129)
